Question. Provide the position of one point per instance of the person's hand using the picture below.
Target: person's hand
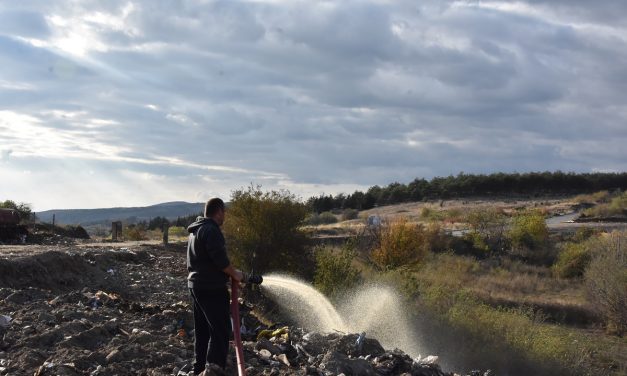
(238, 275)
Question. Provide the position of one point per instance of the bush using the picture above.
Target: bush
(263, 232)
(334, 271)
(487, 229)
(177, 231)
(349, 214)
(134, 232)
(572, 261)
(22, 209)
(616, 207)
(606, 280)
(601, 196)
(401, 243)
(324, 218)
(529, 230)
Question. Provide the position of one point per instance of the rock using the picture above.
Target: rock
(350, 345)
(264, 344)
(337, 363)
(115, 356)
(265, 354)
(283, 359)
(47, 318)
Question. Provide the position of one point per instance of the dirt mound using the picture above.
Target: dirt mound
(51, 270)
(62, 271)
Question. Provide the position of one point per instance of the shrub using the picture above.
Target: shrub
(487, 229)
(22, 209)
(327, 218)
(529, 230)
(616, 207)
(401, 243)
(572, 260)
(177, 231)
(324, 218)
(134, 232)
(601, 196)
(263, 232)
(334, 271)
(606, 280)
(349, 214)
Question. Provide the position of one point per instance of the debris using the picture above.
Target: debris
(5, 321)
(70, 322)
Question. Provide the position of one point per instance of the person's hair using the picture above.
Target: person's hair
(212, 206)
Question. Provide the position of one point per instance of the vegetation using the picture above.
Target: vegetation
(572, 260)
(606, 280)
(467, 185)
(22, 209)
(264, 234)
(487, 229)
(325, 218)
(335, 273)
(528, 230)
(349, 214)
(402, 242)
(135, 232)
(506, 283)
(615, 208)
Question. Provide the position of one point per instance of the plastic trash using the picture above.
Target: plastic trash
(360, 341)
(5, 321)
(431, 359)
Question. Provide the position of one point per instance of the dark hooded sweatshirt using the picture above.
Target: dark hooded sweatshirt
(206, 255)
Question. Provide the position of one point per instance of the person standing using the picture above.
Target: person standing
(209, 272)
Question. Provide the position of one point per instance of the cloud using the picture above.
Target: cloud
(5, 155)
(311, 96)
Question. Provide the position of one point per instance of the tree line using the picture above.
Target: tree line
(471, 185)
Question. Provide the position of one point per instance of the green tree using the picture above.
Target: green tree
(487, 229)
(528, 230)
(263, 231)
(23, 209)
(334, 271)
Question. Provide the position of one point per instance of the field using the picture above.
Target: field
(513, 299)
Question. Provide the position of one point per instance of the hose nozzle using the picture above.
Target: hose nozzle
(253, 278)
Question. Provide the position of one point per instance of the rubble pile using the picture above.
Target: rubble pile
(102, 311)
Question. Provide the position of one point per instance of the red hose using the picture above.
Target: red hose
(239, 351)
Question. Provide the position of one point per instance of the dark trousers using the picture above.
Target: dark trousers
(212, 324)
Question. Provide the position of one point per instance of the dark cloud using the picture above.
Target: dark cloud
(314, 96)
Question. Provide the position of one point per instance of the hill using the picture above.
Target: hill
(170, 210)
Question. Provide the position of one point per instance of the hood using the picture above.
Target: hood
(200, 221)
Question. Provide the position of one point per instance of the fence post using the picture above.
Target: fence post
(116, 230)
(166, 227)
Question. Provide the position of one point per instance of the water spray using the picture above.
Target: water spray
(374, 309)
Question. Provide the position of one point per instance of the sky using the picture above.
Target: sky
(118, 103)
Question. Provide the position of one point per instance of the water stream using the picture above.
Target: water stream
(376, 310)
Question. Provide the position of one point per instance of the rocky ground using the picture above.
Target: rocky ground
(110, 310)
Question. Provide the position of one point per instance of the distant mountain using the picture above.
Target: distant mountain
(170, 210)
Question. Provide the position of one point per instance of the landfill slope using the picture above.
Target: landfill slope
(72, 310)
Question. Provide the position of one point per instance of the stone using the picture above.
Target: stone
(265, 354)
(264, 344)
(283, 359)
(115, 356)
(337, 363)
